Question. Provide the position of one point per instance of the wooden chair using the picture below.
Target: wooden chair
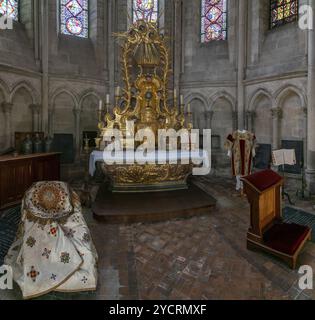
(267, 230)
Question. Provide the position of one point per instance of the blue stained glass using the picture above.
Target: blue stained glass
(9, 8)
(145, 9)
(213, 20)
(74, 17)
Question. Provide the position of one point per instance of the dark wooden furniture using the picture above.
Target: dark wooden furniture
(18, 173)
(267, 231)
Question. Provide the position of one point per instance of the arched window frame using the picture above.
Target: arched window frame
(276, 8)
(16, 4)
(62, 24)
(224, 23)
(160, 13)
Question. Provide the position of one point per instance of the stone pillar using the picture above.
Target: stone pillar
(177, 42)
(276, 117)
(7, 110)
(209, 117)
(241, 64)
(35, 108)
(235, 120)
(310, 171)
(250, 120)
(36, 17)
(50, 122)
(77, 138)
(304, 111)
(44, 40)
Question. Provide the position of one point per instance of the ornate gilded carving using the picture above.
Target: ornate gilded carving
(145, 71)
(147, 174)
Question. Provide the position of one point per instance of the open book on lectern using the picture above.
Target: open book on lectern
(283, 156)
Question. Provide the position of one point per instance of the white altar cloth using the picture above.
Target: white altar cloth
(198, 157)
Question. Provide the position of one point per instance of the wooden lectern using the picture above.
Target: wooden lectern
(267, 231)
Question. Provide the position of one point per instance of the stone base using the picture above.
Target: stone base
(310, 181)
(112, 207)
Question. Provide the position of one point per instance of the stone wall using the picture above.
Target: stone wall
(59, 79)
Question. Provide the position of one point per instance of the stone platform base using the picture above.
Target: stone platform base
(151, 207)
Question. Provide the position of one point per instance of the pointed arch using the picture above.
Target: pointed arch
(86, 94)
(225, 95)
(284, 91)
(260, 92)
(197, 96)
(28, 87)
(66, 91)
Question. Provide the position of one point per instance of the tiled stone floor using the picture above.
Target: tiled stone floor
(198, 258)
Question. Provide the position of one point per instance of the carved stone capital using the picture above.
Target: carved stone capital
(35, 108)
(209, 115)
(77, 113)
(276, 113)
(250, 114)
(6, 107)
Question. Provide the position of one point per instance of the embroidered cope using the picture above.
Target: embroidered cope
(53, 250)
(241, 146)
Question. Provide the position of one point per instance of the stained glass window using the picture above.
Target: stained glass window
(145, 9)
(74, 17)
(283, 11)
(9, 8)
(213, 20)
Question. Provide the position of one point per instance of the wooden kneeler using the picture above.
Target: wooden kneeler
(267, 230)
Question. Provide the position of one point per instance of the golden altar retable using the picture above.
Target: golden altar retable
(144, 100)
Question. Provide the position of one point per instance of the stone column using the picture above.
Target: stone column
(304, 111)
(35, 108)
(177, 42)
(50, 122)
(276, 117)
(209, 117)
(235, 119)
(7, 110)
(310, 171)
(250, 120)
(241, 63)
(44, 40)
(36, 17)
(77, 138)
(111, 46)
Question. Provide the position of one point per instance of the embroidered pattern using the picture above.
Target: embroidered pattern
(64, 257)
(31, 242)
(86, 237)
(46, 253)
(75, 218)
(84, 279)
(33, 273)
(53, 231)
(70, 233)
(53, 277)
(48, 200)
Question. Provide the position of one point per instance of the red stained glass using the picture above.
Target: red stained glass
(283, 11)
(213, 20)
